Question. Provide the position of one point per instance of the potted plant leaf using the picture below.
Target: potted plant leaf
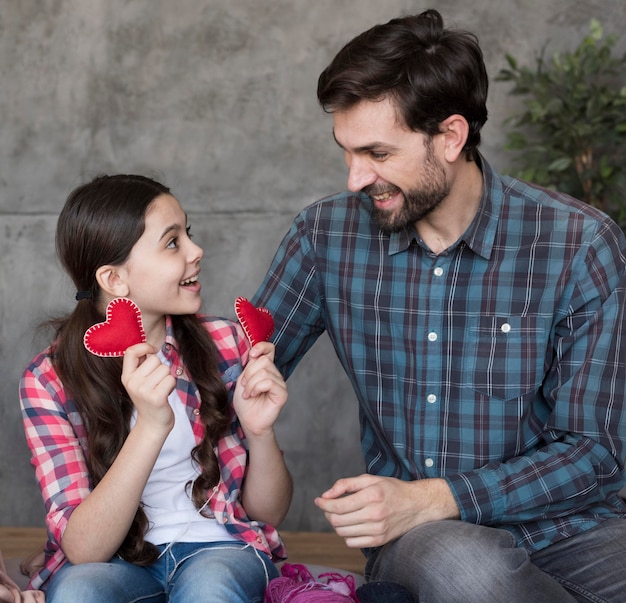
(571, 132)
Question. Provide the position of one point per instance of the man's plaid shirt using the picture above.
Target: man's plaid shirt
(497, 365)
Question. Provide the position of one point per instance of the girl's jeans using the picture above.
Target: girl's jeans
(456, 561)
(198, 572)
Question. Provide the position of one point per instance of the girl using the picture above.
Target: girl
(161, 475)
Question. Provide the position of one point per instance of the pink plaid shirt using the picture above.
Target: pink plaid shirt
(58, 442)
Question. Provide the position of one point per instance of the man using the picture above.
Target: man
(481, 322)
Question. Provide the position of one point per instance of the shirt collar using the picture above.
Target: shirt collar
(400, 241)
(170, 341)
(480, 234)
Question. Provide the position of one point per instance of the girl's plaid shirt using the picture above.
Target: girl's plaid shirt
(57, 439)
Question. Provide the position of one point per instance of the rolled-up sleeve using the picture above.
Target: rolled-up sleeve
(53, 436)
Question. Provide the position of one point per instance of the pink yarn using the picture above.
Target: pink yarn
(297, 585)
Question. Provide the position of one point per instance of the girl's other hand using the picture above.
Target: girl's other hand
(261, 392)
(148, 383)
(263, 348)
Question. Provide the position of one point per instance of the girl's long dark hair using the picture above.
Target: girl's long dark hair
(99, 225)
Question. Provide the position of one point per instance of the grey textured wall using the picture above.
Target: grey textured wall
(217, 99)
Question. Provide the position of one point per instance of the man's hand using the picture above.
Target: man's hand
(369, 510)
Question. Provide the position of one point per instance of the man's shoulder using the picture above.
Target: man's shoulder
(562, 211)
(515, 192)
(534, 195)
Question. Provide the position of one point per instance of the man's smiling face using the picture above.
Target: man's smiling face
(396, 167)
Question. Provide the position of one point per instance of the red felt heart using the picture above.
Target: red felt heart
(257, 323)
(121, 329)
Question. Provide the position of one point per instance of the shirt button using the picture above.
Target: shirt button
(225, 520)
(168, 347)
(431, 398)
(438, 271)
(506, 327)
(179, 372)
(429, 462)
(432, 336)
(196, 411)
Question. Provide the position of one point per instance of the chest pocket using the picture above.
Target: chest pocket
(504, 356)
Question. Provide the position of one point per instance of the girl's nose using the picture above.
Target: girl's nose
(195, 252)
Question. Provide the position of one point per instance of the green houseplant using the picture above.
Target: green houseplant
(571, 132)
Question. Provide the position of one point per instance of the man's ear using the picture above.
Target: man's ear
(455, 130)
(112, 280)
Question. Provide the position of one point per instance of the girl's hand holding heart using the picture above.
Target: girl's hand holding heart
(149, 383)
(261, 392)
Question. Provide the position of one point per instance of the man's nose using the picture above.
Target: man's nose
(360, 175)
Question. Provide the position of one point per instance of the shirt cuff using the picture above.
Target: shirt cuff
(478, 496)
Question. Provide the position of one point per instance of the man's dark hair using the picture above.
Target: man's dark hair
(428, 71)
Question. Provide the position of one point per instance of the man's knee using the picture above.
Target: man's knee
(450, 557)
(455, 544)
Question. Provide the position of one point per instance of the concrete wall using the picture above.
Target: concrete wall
(217, 99)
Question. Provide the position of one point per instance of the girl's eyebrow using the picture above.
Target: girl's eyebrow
(176, 228)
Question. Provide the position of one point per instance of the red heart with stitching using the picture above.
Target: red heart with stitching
(257, 323)
(121, 329)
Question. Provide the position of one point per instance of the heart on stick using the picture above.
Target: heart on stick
(257, 323)
(121, 329)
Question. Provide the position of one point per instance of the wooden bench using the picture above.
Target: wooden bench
(311, 548)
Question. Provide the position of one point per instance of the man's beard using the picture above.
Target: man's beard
(418, 202)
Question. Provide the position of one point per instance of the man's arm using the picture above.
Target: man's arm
(290, 291)
(579, 456)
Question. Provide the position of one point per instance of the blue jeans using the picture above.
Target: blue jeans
(456, 561)
(198, 572)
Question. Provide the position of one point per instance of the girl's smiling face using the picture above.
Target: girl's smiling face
(161, 273)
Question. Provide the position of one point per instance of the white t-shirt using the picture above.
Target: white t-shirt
(171, 514)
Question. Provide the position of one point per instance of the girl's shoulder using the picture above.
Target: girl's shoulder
(40, 383)
(42, 366)
(227, 334)
(218, 324)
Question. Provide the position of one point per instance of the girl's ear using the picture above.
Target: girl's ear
(112, 280)
(455, 130)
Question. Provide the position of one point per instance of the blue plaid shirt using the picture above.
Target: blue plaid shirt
(497, 365)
